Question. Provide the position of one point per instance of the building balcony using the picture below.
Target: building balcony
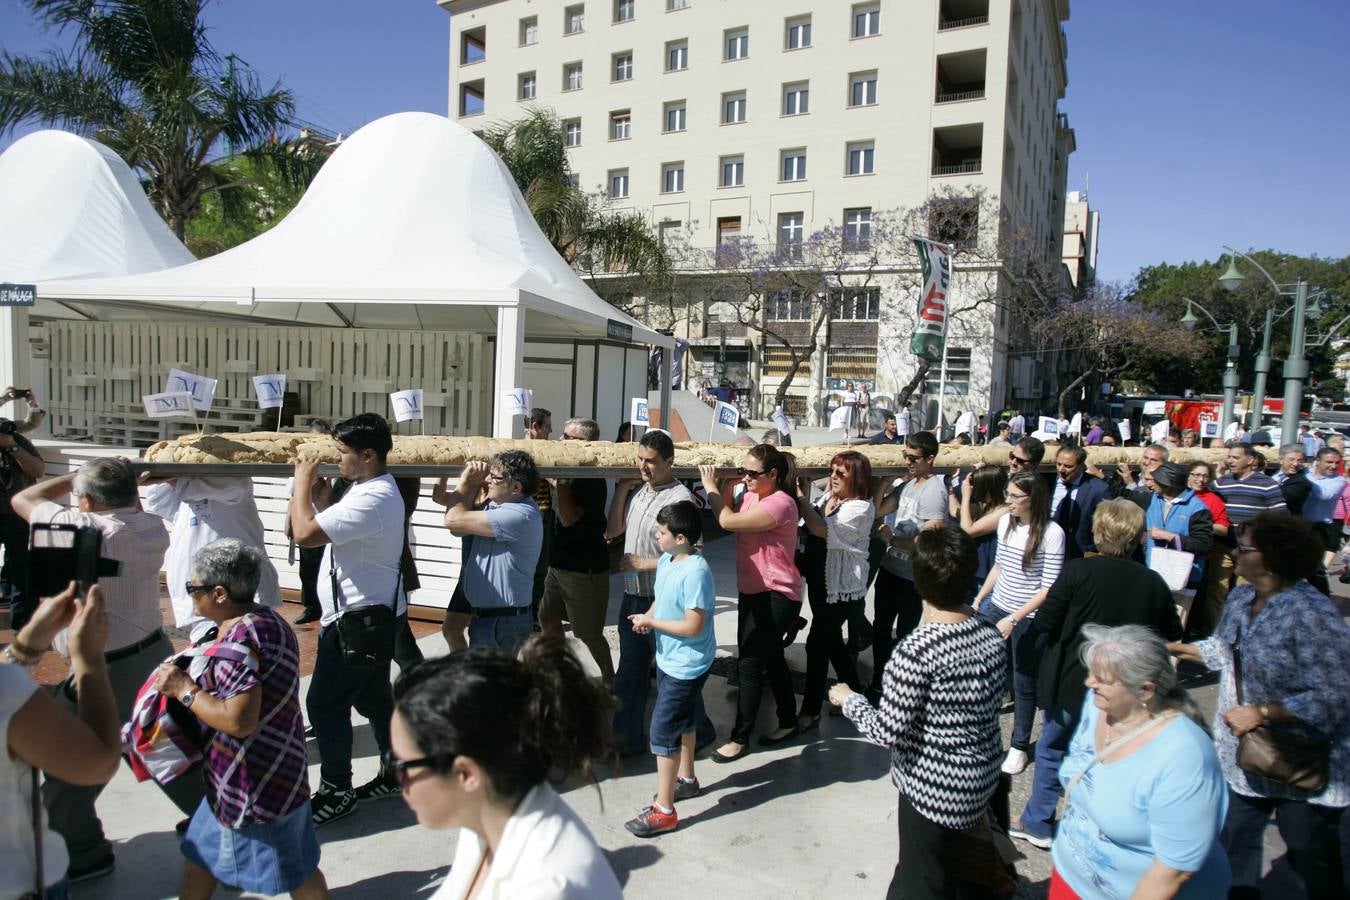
(958, 149)
(966, 167)
(958, 96)
(954, 14)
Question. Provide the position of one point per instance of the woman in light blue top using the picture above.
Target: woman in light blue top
(1146, 795)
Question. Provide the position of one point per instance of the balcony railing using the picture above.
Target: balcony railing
(949, 24)
(957, 96)
(964, 168)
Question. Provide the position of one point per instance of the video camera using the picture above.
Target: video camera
(59, 554)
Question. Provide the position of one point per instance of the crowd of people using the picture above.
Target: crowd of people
(1001, 581)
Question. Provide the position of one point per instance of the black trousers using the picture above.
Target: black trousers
(14, 574)
(897, 605)
(762, 621)
(927, 868)
(825, 647)
(334, 690)
(1310, 832)
(310, 558)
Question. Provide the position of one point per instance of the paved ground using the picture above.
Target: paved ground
(812, 819)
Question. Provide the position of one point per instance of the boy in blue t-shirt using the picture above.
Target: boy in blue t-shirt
(681, 617)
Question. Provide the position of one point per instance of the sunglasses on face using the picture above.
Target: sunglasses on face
(1013, 457)
(914, 457)
(494, 477)
(1016, 498)
(749, 473)
(401, 767)
(1244, 548)
(198, 588)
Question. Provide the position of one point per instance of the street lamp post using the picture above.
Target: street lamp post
(1262, 370)
(1230, 375)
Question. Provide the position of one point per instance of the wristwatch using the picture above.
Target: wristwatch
(188, 696)
(1264, 710)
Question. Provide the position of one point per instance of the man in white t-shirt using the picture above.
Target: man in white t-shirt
(1017, 426)
(904, 424)
(850, 402)
(965, 424)
(363, 538)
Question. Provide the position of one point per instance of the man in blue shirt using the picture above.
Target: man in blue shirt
(498, 573)
(1326, 488)
(1075, 500)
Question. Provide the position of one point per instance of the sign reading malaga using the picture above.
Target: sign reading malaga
(17, 294)
(618, 331)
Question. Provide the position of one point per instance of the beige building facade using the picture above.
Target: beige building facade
(732, 119)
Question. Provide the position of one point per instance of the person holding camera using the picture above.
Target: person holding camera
(106, 494)
(37, 734)
(20, 466)
(363, 539)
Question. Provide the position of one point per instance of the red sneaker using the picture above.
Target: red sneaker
(652, 821)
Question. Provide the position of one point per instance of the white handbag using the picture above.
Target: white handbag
(1172, 563)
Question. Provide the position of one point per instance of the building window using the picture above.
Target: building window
(856, 304)
(674, 116)
(471, 102)
(862, 88)
(529, 31)
(572, 131)
(788, 305)
(574, 19)
(618, 183)
(736, 43)
(866, 20)
(790, 232)
(672, 178)
(733, 108)
(857, 227)
(623, 66)
(620, 124)
(572, 77)
(796, 98)
(677, 56)
(958, 373)
(733, 171)
(623, 10)
(473, 46)
(528, 86)
(798, 33)
(861, 157)
(572, 180)
(794, 164)
(672, 5)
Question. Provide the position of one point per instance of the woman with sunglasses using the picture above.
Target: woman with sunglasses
(770, 589)
(477, 736)
(254, 830)
(1030, 555)
(839, 527)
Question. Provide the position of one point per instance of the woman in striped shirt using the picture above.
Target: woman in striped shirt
(939, 717)
(1030, 554)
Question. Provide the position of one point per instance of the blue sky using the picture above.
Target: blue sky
(1199, 122)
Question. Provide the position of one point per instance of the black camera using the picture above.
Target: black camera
(60, 554)
(8, 426)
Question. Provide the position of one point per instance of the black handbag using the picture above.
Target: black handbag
(365, 635)
(1281, 754)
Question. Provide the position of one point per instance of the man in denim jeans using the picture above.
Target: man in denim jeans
(633, 515)
(507, 535)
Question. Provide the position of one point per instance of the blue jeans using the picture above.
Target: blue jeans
(1057, 727)
(632, 681)
(334, 690)
(1025, 649)
(502, 632)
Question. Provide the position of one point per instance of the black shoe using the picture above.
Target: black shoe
(791, 637)
(382, 785)
(306, 617)
(331, 804)
(767, 741)
(717, 757)
(97, 869)
(181, 828)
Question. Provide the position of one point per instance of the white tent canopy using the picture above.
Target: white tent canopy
(73, 209)
(413, 223)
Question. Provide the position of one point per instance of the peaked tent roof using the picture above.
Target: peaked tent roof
(412, 223)
(73, 209)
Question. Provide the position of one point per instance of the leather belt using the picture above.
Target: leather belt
(497, 612)
(113, 656)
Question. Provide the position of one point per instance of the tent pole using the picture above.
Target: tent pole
(667, 364)
(508, 367)
(15, 365)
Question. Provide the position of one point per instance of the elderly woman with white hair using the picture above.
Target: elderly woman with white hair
(1146, 796)
(253, 830)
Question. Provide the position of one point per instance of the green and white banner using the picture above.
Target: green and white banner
(931, 330)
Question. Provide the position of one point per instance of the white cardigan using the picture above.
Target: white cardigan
(847, 534)
(546, 853)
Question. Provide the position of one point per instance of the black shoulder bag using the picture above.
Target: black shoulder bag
(1280, 754)
(365, 634)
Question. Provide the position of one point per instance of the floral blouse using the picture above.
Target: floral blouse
(1296, 652)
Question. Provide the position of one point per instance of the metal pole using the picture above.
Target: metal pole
(1262, 369)
(1295, 368)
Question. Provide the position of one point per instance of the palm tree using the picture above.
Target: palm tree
(144, 79)
(581, 228)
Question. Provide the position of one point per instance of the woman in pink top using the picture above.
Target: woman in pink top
(770, 589)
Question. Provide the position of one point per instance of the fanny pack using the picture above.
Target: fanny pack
(365, 635)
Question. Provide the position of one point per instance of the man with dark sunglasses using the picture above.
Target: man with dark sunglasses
(1025, 455)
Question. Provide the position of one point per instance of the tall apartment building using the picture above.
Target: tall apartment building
(735, 118)
(1080, 238)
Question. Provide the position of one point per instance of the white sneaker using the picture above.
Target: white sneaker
(1015, 762)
